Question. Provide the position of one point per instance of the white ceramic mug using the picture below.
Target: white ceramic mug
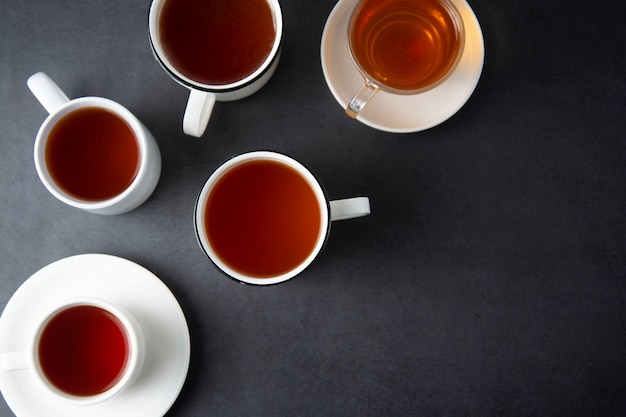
(203, 96)
(59, 106)
(328, 211)
(32, 360)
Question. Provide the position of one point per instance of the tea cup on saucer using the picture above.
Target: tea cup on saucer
(389, 111)
(84, 351)
(403, 47)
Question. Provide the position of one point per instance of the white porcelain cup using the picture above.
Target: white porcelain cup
(76, 317)
(203, 96)
(60, 106)
(255, 201)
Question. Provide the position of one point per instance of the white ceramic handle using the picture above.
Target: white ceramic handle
(349, 208)
(365, 93)
(13, 361)
(197, 113)
(47, 92)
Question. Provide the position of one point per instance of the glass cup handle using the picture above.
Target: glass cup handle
(197, 113)
(349, 208)
(363, 95)
(47, 92)
(13, 361)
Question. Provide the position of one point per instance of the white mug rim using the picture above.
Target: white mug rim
(200, 207)
(131, 368)
(44, 134)
(159, 53)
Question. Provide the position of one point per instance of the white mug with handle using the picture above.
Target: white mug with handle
(139, 178)
(262, 217)
(203, 92)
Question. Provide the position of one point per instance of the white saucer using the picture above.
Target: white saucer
(118, 281)
(397, 113)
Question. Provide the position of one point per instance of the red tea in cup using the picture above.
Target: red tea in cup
(92, 154)
(217, 42)
(83, 350)
(263, 218)
(406, 45)
(222, 50)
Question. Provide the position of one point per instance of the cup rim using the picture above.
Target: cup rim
(227, 165)
(161, 57)
(456, 16)
(131, 368)
(44, 133)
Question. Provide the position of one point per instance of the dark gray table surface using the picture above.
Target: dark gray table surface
(490, 279)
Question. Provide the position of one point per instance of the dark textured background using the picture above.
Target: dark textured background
(490, 279)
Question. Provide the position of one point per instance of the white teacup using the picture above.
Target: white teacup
(262, 217)
(83, 351)
(205, 86)
(76, 172)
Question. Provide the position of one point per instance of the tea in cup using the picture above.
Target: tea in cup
(403, 46)
(84, 351)
(222, 50)
(92, 153)
(262, 217)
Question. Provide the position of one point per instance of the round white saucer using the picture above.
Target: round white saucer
(120, 282)
(397, 113)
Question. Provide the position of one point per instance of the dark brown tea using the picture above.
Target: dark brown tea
(216, 42)
(262, 218)
(92, 154)
(406, 44)
(83, 350)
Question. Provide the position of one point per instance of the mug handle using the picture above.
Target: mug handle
(197, 113)
(47, 92)
(349, 208)
(363, 95)
(13, 361)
